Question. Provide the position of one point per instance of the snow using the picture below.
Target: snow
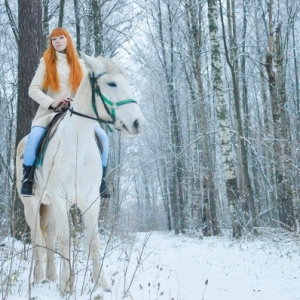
(160, 265)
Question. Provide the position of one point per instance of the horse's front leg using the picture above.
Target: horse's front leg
(63, 238)
(90, 217)
(51, 238)
(32, 215)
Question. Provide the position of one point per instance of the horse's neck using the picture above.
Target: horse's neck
(83, 101)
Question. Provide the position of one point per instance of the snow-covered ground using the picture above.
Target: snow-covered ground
(163, 266)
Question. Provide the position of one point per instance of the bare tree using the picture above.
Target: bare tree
(277, 88)
(200, 112)
(77, 22)
(61, 13)
(30, 29)
(224, 130)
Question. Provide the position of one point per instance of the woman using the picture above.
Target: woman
(56, 81)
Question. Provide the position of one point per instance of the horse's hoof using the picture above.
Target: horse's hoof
(67, 288)
(51, 273)
(38, 275)
(52, 277)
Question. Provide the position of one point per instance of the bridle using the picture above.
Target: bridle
(106, 102)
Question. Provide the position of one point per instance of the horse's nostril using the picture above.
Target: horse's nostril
(136, 124)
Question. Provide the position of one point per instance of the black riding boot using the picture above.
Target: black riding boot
(104, 193)
(27, 181)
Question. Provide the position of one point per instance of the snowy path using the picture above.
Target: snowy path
(179, 267)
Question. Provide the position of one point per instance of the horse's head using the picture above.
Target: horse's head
(112, 91)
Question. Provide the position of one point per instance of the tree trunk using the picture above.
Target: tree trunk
(223, 123)
(281, 127)
(88, 24)
(194, 169)
(98, 50)
(178, 201)
(61, 13)
(98, 27)
(77, 22)
(271, 213)
(201, 115)
(30, 20)
(45, 24)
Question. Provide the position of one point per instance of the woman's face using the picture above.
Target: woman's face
(59, 43)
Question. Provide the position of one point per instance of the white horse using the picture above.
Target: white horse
(72, 170)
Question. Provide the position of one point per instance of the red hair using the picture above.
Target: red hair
(51, 79)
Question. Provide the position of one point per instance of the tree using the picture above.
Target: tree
(200, 116)
(231, 53)
(98, 27)
(77, 22)
(282, 148)
(30, 50)
(61, 13)
(228, 162)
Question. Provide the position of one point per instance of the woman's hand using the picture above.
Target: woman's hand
(60, 104)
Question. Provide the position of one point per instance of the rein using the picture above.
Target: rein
(106, 102)
(74, 112)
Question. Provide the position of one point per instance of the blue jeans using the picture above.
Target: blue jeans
(104, 140)
(37, 133)
(32, 144)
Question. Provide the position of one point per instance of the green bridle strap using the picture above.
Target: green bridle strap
(120, 103)
(106, 102)
(96, 90)
(114, 106)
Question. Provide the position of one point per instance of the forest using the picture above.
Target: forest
(218, 83)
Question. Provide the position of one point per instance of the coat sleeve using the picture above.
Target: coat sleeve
(35, 90)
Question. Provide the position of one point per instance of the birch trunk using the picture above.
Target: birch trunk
(224, 134)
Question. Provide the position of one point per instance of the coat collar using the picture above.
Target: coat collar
(61, 56)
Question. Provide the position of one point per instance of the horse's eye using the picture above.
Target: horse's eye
(112, 84)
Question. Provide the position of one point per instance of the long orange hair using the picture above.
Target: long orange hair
(51, 79)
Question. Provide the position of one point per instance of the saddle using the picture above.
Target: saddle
(50, 131)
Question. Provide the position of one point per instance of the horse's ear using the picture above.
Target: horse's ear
(91, 62)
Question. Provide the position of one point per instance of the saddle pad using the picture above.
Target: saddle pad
(50, 131)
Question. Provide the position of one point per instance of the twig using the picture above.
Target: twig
(138, 264)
